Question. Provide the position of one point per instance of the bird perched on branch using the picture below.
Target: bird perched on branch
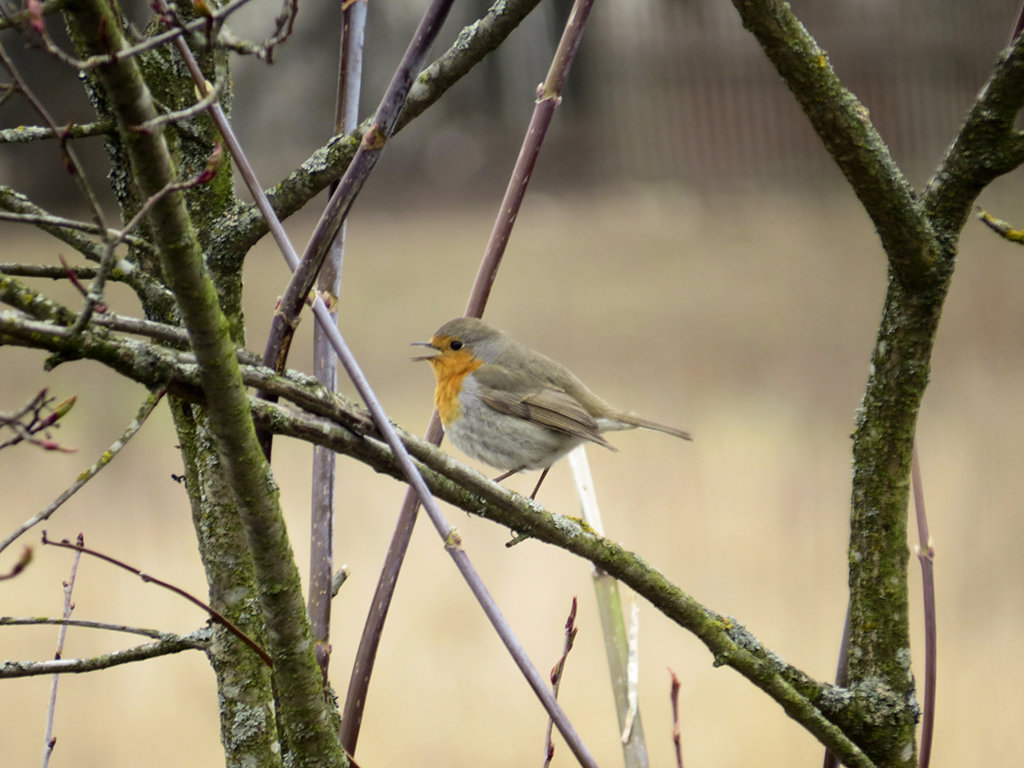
(513, 408)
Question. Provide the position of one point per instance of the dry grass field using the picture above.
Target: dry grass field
(747, 318)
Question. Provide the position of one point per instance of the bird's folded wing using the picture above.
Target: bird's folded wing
(506, 392)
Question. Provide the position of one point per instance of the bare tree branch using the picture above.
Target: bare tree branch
(365, 160)
(346, 429)
(327, 163)
(67, 232)
(198, 640)
(69, 606)
(302, 708)
(79, 549)
(986, 147)
(24, 134)
(105, 458)
(844, 126)
(920, 236)
(325, 362)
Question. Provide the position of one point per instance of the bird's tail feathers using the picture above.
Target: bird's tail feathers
(628, 420)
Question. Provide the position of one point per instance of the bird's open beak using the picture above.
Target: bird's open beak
(425, 344)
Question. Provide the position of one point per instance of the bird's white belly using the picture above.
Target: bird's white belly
(506, 442)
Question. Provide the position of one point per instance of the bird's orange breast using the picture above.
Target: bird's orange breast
(450, 368)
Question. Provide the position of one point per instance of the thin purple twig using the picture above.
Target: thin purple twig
(282, 327)
(325, 363)
(556, 676)
(366, 654)
(926, 556)
(448, 534)
(213, 613)
(676, 738)
(69, 586)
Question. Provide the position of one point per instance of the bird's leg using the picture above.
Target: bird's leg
(537, 487)
(511, 472)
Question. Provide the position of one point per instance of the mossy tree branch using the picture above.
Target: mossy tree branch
(871, 722)
(145, 286)
(844, 126)
(920, 236)
(986, 147)
(302, 713)
(240, 230)
(323, 418)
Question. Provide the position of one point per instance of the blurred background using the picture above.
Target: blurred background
(688, 248)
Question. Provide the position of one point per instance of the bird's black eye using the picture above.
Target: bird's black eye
(455, 345)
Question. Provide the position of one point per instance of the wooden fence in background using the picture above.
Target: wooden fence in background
(686, 94)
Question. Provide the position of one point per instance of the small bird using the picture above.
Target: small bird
(513, 408)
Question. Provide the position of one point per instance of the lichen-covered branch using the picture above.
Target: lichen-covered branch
(304, 274)
(986, 147)
(844, 126)
(198, 640)
(302, 710)
(323, 418)
(144, 285)
(474, 43)
(238, 232)
(920, 236)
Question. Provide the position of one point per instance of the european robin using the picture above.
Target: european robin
(513, 408)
